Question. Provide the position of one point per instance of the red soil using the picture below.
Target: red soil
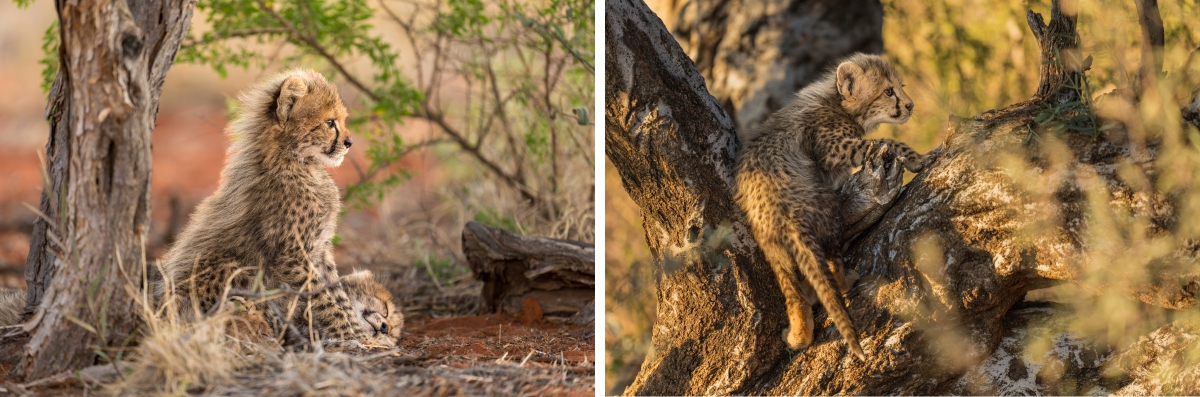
(462, 341)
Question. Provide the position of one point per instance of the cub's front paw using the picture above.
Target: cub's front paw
(380, 341)
(922, 162)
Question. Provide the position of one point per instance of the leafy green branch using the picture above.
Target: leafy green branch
(509, 83)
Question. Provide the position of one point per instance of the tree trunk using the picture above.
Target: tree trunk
(755, 55)
(944, 271)
(87, 254)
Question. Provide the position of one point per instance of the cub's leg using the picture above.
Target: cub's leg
(839, 278)
(849, 152)
(913, 161)
(799, 333)
(330, 311)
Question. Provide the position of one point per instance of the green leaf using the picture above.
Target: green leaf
(49, 59)
(1042, 117)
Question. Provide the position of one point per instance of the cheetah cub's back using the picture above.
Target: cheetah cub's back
(789, 173)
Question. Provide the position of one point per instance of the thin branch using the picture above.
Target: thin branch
(1152, 43)
(407, 28)
(233, 34)
(315, 46)
(499, 109)
(362, 176)
(376, 167)
(438, 119)
(430, 115)
(566, 46)
(289, 328)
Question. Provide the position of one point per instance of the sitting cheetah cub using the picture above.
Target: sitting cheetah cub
(789, 174)
(275, 210)
(377, 315)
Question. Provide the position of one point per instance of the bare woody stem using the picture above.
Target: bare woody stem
(1152, 42)
(427, 113)
(1062, 64)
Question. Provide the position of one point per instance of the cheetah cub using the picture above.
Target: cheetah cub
(789, 174)
(275, 209)
(377, 315)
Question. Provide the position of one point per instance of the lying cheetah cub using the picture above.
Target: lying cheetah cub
(375, 314)
(789, 174)
(275, 210)
(378, 317)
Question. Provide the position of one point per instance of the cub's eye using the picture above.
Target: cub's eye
(889, 91)
(331, 122)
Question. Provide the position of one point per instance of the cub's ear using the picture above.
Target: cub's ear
(291, 90)
(849, 77)
(359, 276)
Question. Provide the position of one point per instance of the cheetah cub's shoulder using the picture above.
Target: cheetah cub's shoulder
(789, 173)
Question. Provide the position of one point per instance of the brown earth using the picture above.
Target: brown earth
(496, 337)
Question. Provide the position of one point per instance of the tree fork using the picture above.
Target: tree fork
(941, 271)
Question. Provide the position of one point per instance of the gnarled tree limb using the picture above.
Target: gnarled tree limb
(941, 271)
(559, 274)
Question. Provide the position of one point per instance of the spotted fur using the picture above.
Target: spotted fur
(275, 210)
(12, 303)
(790, 171)
(374, 310)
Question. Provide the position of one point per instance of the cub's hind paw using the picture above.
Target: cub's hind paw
(797, 341)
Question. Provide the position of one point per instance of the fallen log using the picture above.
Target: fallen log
(559, 275)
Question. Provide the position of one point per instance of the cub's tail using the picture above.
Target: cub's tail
(826, 293)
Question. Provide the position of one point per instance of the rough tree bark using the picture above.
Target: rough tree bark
(86, 254)
(755, 55)
(559, 274)
(926, 329)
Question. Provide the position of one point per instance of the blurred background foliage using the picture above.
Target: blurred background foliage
(516, 59)
(506, 85)
(461, 110)
(964, 57)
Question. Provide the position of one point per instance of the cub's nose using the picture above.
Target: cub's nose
(383, 328)
(347, 142)
(909, 106)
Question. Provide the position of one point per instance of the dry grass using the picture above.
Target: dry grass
(232, 353)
